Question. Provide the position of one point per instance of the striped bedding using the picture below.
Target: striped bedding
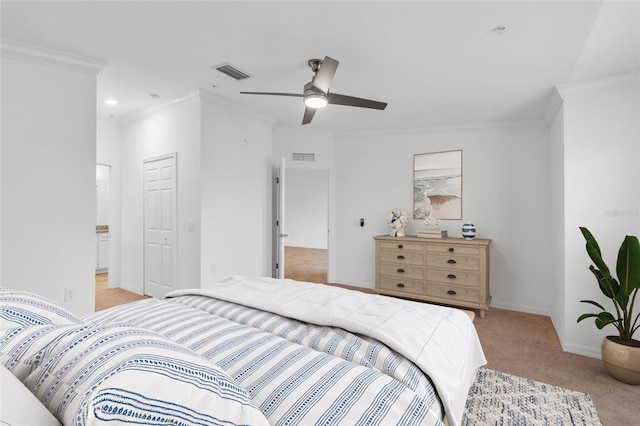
(244, 351)
(296, 373)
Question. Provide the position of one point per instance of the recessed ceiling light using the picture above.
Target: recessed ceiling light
(111, 102)
(500, 29)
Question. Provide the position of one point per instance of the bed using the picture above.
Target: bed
(245, 351)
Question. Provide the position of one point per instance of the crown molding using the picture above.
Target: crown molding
(183, 99)
(494, 125)
(303, 131)
(45, 56)
(554, 105)
(208, 96)
(562, 91)
(599, 85)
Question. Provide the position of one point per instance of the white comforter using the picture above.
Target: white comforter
(441, 341)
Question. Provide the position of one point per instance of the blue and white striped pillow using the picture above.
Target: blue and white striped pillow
(20, 308)
(93, 374)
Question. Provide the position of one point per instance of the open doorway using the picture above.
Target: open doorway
(103, 205)
(103, 202)
(307, 213)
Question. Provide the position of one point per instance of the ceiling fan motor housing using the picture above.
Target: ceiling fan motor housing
(313, 97)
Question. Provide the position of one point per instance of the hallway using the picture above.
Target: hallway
(107, 297)
(305, 264)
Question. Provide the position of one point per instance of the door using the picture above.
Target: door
(280, 220)
(160, 226)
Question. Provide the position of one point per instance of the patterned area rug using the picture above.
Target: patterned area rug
(502, 399)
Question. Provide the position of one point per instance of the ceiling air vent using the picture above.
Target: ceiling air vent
(232, 71)
(298, 156)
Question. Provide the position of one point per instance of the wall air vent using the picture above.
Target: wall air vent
(232, 71)
(298, 156)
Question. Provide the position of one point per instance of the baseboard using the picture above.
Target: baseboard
(355, 284)
(131, 289)
(520, 308)
(583, 350)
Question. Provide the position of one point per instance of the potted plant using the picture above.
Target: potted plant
(621, 353)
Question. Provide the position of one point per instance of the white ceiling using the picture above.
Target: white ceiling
(437, 63)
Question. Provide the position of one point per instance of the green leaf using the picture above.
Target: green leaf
(593, 249)
(608, 286)
(628, 266)
(606, 316)
(585, 316)
(594, 303)
(604, 319)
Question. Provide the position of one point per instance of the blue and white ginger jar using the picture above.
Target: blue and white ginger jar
(468, 231)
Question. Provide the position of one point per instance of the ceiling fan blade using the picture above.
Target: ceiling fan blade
(325, 74)
(297, 95)
(308, 115)
(337, 99)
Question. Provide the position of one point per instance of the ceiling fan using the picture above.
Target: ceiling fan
(316, 93)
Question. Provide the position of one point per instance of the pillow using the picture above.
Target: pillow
(20, 308)
(94, 374)
(22, 349)
(18, 406)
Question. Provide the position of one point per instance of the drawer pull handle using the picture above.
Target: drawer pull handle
(451, 261)
(451, 276)
(451, 249)
(451, 292)
(401, 257)
(399, 245)
(400, 285)
(400, 270)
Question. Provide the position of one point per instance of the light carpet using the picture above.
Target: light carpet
(502, 399)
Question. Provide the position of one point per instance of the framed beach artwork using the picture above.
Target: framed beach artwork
(437, 185)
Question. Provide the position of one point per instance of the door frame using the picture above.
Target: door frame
(279, 228)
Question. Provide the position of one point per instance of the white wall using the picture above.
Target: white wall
(505, 193)
(235, 191)
(173, 128)
(602, 192)
(48, 173)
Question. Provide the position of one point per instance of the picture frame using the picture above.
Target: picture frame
(437, 185)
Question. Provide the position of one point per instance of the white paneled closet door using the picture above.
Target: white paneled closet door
(160, 226)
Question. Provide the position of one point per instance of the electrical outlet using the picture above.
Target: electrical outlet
(213, 268)
(70, 294)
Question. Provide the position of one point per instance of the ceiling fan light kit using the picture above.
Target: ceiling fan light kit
(315, 100)
(316, 93)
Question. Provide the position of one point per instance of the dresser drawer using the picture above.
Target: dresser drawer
(454, 277)
(402, 285)
(453, 249)
(453, 262)
(401, 246)
(407, 257)
(399, 271)
(453, 292)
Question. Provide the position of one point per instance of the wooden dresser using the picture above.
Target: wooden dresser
(451, 271)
